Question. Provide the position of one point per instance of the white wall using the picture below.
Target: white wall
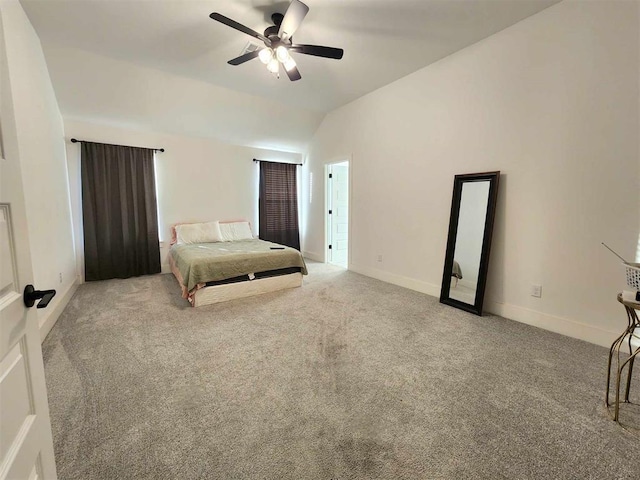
(199, 179)
(552, 102)
(98, 89)
(40, 139)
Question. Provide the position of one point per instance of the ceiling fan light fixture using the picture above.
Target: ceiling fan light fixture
(278, 41)
(265, 55)
(273, 66)
(282, 54)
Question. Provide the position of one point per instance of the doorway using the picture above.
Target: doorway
(337, 181)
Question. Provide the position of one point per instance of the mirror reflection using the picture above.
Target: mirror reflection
(468, 244)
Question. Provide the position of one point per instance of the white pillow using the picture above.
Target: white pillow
(198, 233)
(235, 231)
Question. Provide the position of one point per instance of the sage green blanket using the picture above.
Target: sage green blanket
(210, 262)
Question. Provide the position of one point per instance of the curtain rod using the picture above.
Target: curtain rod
(269, 161)
(74, 140)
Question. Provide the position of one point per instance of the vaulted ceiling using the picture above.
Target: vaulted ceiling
(383, 41)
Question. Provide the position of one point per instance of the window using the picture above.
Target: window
(278, 204)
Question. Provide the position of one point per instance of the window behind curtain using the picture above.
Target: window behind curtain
(278, 205)
(119, 211)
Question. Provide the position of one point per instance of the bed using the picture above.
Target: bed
(232, 266)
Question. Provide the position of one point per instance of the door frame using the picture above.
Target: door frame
(327, 202)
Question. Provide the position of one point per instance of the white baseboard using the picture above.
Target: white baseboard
(406, 282)
(313, 256)
(49, 320)
(563, 326)
(553, 323)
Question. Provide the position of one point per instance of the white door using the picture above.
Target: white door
(338, 194)
(26, 445)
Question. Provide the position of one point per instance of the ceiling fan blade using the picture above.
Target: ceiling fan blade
(293, 74)
(233, 24)
(318, 51)
(244, 58)
(292, 19)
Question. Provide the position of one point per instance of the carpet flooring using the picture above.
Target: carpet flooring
(345, 378)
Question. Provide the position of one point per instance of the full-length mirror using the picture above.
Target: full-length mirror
(469, 243)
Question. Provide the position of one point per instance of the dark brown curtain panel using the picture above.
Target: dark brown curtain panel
(119, 210)
(278, 206)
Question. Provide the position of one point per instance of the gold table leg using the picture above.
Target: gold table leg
(616, 346)
(628, 361)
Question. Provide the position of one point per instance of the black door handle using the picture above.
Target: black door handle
(31, 295)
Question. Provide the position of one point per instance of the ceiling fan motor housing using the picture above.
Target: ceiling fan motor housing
(272, 32)
(277, 18)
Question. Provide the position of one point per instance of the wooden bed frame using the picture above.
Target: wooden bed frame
(233, 291)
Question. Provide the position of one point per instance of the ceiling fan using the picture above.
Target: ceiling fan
(278, 41)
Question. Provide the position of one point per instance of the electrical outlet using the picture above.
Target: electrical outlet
(379, 258)
(536, 291)
(60, 277)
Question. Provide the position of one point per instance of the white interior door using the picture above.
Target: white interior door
(26, 445)
(338, 194)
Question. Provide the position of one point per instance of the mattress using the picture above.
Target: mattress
(256, 275)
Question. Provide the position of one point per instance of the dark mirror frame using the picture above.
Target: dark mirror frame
(458, 182)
